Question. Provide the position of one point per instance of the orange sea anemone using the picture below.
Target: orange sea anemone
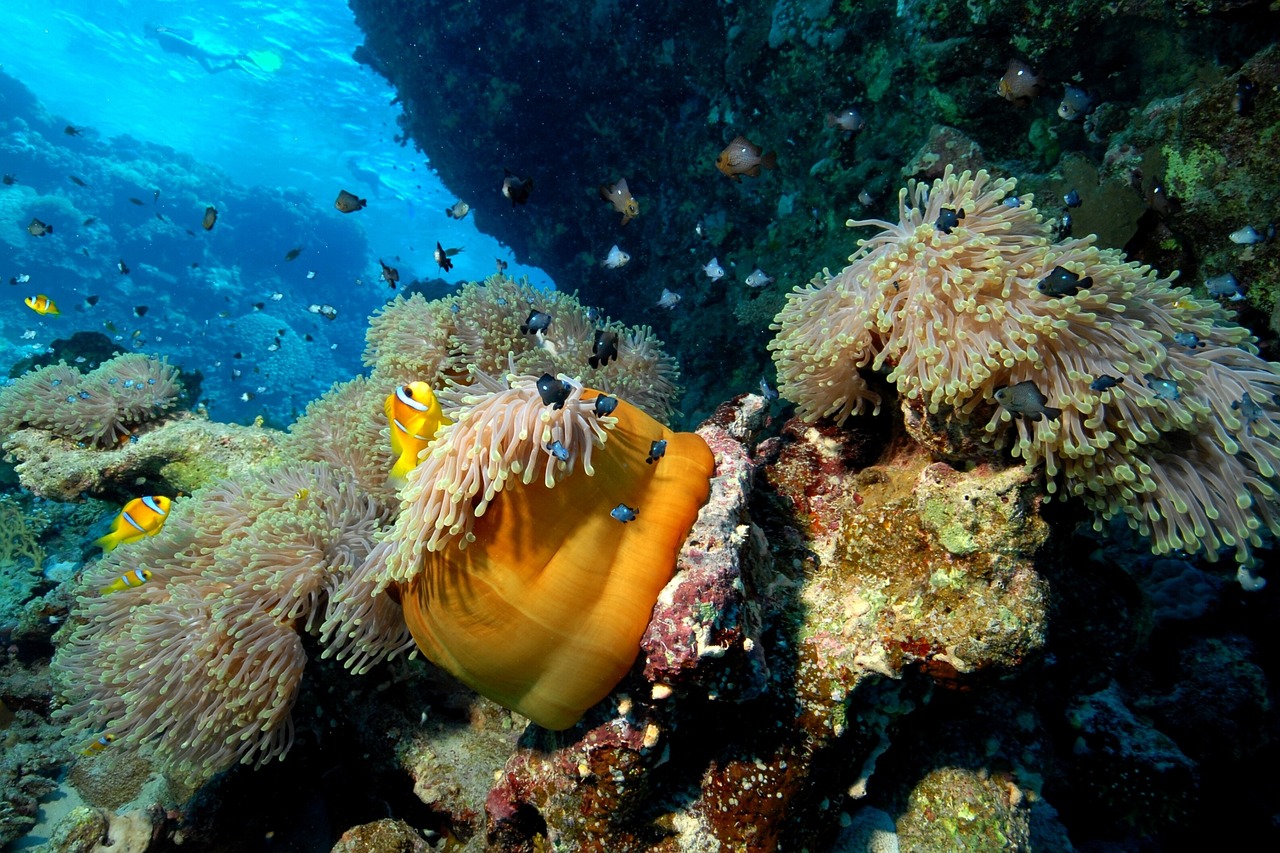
(514, 573)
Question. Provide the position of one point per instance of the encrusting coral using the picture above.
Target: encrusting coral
(99, 408)
(414, 339)
(956, 301)
(514, 569)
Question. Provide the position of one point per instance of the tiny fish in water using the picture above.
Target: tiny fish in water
(1242, 100)
(1072, 199)
(516, 188)
(42, 304)
(302, 494)
(657, 450)
(123, 267)
(72, 130)
(414, 415)
(767, 391)
(668, 299)
(537, 321)
(605, 405)
(713, 270)
(349, 202)
(442, 258)
(38, 228)
(604, 348)
(758, 278)
(276, 296)
(1076, 103)
(292, 254)
(624, 513)
(312, 274)
(1247, 236)
(558, 450)
(616, 258)
(1019, 84)
(247, 396)
(9, 180)
(1062, 282)
(1165, 389)
(128, 580)
(140, 310)
(1103, 382)
(501, 264)
(1190, 340)
(390, 275)
(20, 278)
(948, 219)
(139, 202)
(554, 392)
(620, 197)
(849, 121)
(1225, 285)
(1025, 400)
(98, 745)
(91, 300)
(141, 517)
(458, 210)
(1248, 409)
(77, 181)
(326, 311)
(742, 157)
(210, 217)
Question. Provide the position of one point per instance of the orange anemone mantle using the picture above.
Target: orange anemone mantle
(544, 611)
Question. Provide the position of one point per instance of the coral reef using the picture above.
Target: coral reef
(1183, 441)
(100, 408)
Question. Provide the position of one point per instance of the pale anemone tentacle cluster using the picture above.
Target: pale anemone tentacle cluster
(502, 434)
(479, 328)
(954, 316)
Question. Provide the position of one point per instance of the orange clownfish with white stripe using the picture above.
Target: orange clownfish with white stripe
(128, 580)
(98, 745)
(140, 517)
(414, 415)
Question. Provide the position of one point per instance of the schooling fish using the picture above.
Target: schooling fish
(1103, 382)
(554, 392)
(616, 258)
(1076, 103)
(140, 517)
(1165, 389)
(624, 513)
(210, 217)
(38, 228)
(292, 254)
(516, 188)
(77, 181)
(558, 450)
(605, 405)
(713, 270)
(390, 275)
(459, 210)
(1190, 340)
(128, 580)
(538, 321)
(326, 311)
(657, 450)
(442, 258)
(604, 348)
(42, 304)
(849, 121)
(620, 197)
(948, 219)
(1025, 400)
(139, 202)
(414, 415)
(669, 299)
(123, 267)
(1225, 285)
(1062, 282)
(742, 157)
(758, 279)
(349, 202)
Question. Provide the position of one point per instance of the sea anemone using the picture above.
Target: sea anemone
(956, 307)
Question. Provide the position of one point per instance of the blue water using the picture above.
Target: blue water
(282, 118)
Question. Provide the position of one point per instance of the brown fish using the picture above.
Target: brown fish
(210, 217)
(742, 157)
(390, 275)
(38, 228)
(136, 201)
(349, 202)
(292, 254)
(72, 130)
(620, 197)
(1019, 84)
(77, 181)
(516, 188)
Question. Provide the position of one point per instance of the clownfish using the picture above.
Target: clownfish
(128, 580)
(414, 414)
(98, 745)
(140, 517)
(42, 304)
